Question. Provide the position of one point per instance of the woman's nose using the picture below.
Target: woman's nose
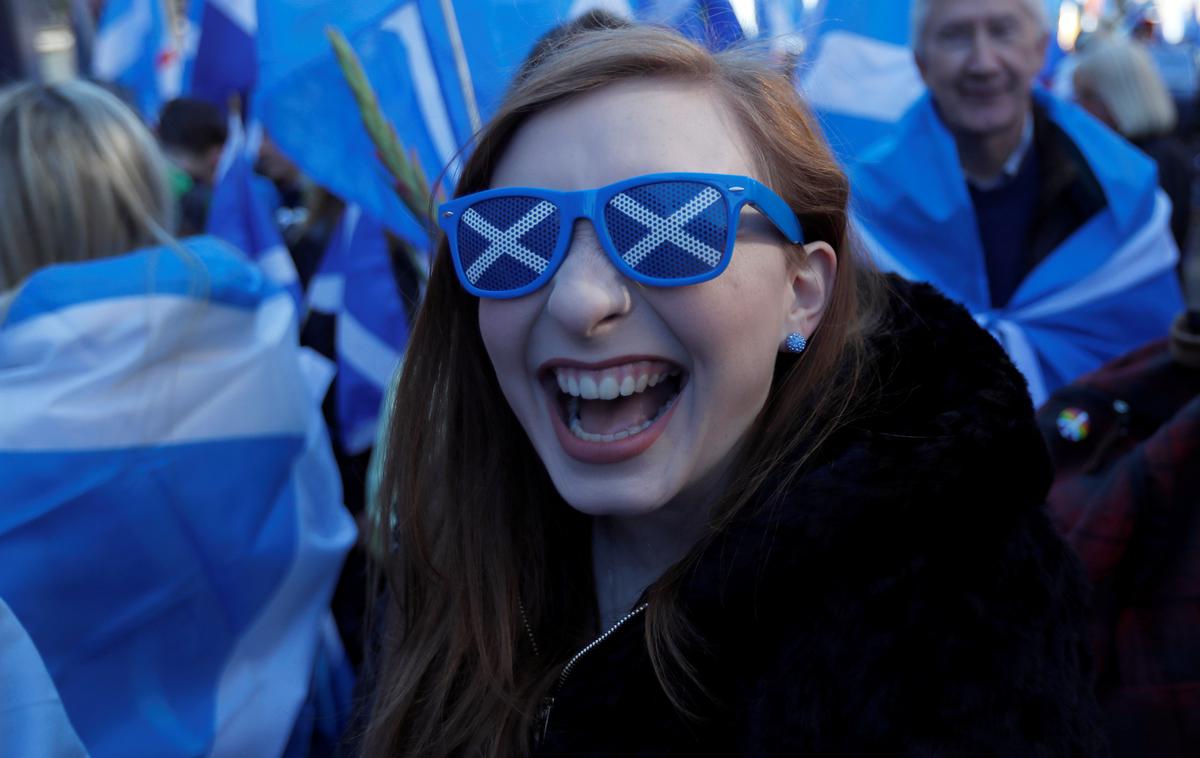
(587, 294)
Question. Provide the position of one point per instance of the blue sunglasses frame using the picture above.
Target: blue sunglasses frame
(736, 191)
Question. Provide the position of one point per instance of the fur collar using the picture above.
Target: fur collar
(952, 419)
(907, 594)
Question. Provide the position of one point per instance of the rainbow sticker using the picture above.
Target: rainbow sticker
(1074, 424)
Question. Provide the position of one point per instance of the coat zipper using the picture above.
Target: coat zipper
(542, 723)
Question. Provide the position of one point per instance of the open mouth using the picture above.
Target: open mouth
(616, 403)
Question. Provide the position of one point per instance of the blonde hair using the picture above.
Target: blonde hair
(81, 178)
(1121, 74)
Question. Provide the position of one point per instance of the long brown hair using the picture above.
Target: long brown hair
(483, 554)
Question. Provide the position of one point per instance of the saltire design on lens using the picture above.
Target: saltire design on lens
(663, 230)
(672, 229)
(506, 242)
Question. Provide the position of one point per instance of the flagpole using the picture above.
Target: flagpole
(460, 62)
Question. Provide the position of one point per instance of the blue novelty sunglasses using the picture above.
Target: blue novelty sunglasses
(663, 230)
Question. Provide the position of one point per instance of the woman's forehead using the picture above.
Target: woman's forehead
(639, 126)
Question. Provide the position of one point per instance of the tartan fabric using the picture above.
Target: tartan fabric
(1126, 445)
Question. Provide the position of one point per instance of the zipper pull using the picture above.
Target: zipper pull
(541, 724)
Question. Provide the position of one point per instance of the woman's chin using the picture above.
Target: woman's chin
(610, 496)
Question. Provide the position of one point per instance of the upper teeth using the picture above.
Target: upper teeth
(613, 382)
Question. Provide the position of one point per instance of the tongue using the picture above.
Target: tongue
(612, 416)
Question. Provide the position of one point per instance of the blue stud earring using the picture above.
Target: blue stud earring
(795, 343)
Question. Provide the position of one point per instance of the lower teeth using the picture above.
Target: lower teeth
(577, 429)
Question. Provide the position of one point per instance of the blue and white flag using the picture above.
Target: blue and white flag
(32, 719)
(134, 48)
(172, 525)
(1110, 287)
(307, 107)
(223, 62)
(781, 22)
(357, 286)
(438, 76)
(713, 23)
(240, 215)
(860, 77)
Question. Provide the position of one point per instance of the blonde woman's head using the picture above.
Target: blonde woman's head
(80, 177)
(1118, 83)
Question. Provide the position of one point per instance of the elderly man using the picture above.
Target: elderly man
(1045, 224)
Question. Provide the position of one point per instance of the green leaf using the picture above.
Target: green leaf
(410, 179)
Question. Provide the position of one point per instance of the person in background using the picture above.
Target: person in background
(171, 519)
(192, 134)
(1047, 226)
(305, 213)
(672, 471)
(1117, 82)
(1126, 446)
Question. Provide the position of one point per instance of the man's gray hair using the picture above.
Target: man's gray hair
(919, 16)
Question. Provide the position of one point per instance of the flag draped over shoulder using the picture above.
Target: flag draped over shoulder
(1107, 289)
(860, 76)
(172, 524)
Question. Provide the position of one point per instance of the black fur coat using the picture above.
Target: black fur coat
(908, 598)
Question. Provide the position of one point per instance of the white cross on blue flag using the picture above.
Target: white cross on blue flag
(240, 214)
(172, 525)
(134, 49)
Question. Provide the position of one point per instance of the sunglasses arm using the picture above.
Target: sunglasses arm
(773, 207)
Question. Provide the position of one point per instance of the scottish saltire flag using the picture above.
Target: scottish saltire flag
(172, 524)
(240, 215)
(1107, 289)
(860, 77)
(435, 90)
(32, 719)
(223, 61)
(135, 49)
(357, 286)
(307, 107)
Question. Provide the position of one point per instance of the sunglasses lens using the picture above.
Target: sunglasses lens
(505, 243)
(668, 231)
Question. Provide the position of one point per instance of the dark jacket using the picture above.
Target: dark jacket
(1126, 441)
(1069, 194)
(1175, 176)
(906, 597)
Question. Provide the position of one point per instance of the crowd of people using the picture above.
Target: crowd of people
(702, 443)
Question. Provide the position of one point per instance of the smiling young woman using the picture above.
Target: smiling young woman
(671, 470)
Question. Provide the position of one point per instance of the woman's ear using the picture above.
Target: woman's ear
(812, 281)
